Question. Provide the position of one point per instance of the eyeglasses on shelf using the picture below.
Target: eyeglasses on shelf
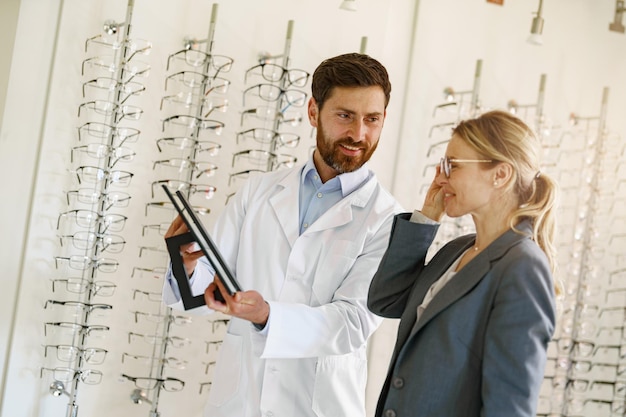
(196, 59)
(206, 191)
(203, 385)
(147, 295)
(274, 73)
(192, 80)
(192, 122)
(212, 345)
(129, 69)
(133, 46)
(63, 374)
(170, 362)
(109, 108)
(161, 318)
(88, 218)
(268, 136)
(112, 90)
(243, 174)
(160, 228)
(108, 199)
(156, 272)
(74, 328)
(185, 101)
(273, 93)
(198, 84)
(269, 113)
(184, 143)
(69, 353)
(99, 130)
(154, 249)
(181, 165)
(167, 384)
(167, 205)
(263, 157)
(86, 240)
(89, 174)
(82, 285)
(81, 263)
(87, 307)
(101, 151)
(174, 341)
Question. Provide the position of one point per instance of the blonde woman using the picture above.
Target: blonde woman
(477, 318)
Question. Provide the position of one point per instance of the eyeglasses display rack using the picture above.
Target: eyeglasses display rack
(585, 371)
(457, 105)
(89, 233)
(195, 92)
(271, 105)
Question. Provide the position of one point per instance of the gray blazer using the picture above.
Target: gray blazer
(479, 347)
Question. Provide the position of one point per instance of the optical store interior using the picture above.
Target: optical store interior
(560, 65)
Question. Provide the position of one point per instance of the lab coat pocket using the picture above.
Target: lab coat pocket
(227, 371)
(340, 386)
(334, 264)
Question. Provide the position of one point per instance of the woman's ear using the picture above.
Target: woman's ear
(503, 172)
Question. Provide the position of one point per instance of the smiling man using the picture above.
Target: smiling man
(304, 243)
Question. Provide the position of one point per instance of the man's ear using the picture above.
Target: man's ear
(313, 112)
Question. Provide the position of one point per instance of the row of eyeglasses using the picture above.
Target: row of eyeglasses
(89, 230)
(585, 374)
(272, 104)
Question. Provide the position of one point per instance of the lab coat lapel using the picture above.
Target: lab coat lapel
(284, 202)
(341, 213)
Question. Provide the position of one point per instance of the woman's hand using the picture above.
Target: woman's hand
(434, 207)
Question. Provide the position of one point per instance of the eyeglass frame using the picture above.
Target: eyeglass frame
(282, 93)
(445, 163)
(96, 286)
(158, 382)
(77, 352)
(213, 149)
(104, 196)
(83, 327)
(285, 74)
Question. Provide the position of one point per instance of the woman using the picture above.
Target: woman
(476, 319)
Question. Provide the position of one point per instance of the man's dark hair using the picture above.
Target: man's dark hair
(349, 70)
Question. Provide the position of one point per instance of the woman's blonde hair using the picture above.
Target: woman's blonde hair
(503, 137)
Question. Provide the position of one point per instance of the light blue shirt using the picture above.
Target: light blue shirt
(317, 197)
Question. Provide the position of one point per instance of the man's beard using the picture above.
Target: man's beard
(337, 160)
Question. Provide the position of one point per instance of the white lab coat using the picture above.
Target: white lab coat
(310, 361)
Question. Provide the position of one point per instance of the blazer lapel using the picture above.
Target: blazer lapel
(471, 274)
(435, 270)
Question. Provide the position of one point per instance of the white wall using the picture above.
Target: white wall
(580, 57)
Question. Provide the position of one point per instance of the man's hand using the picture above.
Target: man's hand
(190, 257)
(247, 305)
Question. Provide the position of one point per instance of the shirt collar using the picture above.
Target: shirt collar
(348, 181)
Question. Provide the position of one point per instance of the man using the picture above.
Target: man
(304, 244)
